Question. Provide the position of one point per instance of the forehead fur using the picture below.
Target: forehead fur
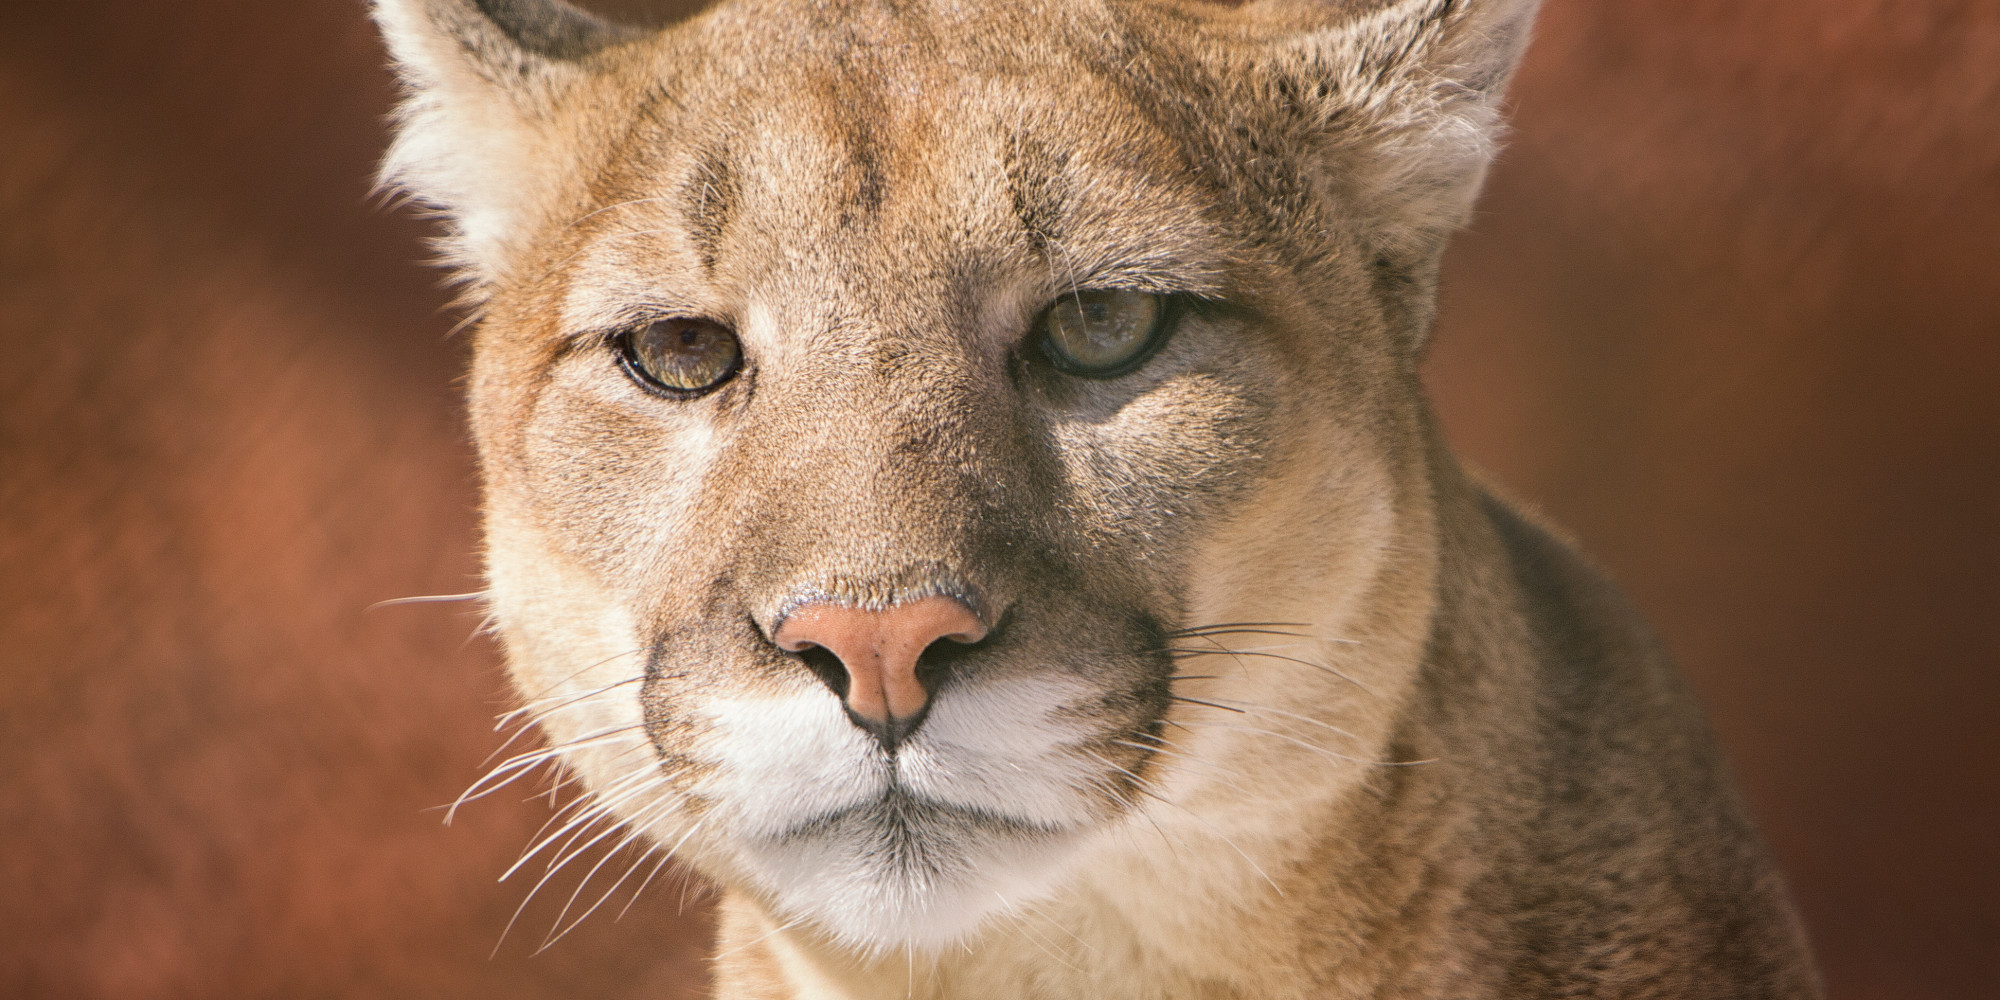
(943, 181)
(873, 112)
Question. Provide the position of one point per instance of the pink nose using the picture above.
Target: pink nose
(880, 650)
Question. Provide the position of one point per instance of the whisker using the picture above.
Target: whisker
(1226, 626)
(1197, 817)
(544, 692)
(486, 626)
(601, 809)
(628, 234)
(780, 929)
(643, 883)
(577, 743)
(602, 804)
(669, 856)
(1210, 704)
(1309, 720)
(425, 599)
(513, 716)
(504, 744)
(520, 766)
(587, 216)
(465, 322)
(1020, 924)
(1250, 631)
(1180, 754)
(521, 763)
(1245, 649)
(551, 873)
(1221, 650)
(575, 777)
(1173, 843)
(1137, 782)
(1314, 747)
(690, 882)
(585, 808)
(535, 715)
(638, 829)
(606, 802)
(557, 931)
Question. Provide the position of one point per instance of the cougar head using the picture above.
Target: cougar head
(882, 406)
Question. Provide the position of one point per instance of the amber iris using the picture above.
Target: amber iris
(681, 357)
(1102, 332)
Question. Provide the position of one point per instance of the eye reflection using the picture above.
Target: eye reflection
(682, 357)
(1101, 332)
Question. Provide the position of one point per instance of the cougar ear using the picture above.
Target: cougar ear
(481, 134)
(1397, 103)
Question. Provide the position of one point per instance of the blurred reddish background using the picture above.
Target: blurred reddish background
(1731, 311)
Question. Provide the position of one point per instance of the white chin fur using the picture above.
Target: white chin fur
(905, 875)
(974, 814)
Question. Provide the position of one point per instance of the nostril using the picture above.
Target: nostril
(941, 659)
(883, 663)
(827, 667)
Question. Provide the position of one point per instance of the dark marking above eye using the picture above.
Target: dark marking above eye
(1038, 189)
(865, 159)
(708, 199)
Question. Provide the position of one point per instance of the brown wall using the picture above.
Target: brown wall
(1730, 312)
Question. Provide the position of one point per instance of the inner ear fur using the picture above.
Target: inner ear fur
(549, 29)
(482, 135)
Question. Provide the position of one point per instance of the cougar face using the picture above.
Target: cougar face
(885, 244)
(956, 475)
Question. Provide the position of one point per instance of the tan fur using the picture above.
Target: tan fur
(1457, 766)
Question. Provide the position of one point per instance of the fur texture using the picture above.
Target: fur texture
(1277, 701)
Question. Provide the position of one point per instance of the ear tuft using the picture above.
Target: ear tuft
(480, 134)
(1413, 88)
(1398, 103)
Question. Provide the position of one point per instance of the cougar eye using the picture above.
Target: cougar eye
(1102, 332)
(681, 357)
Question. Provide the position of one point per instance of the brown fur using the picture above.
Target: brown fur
(1725, 311)
(1470, 773)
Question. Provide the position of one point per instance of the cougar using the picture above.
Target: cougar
(957, 477)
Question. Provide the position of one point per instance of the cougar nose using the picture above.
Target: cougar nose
(879, 651)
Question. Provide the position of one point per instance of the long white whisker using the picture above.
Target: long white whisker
(546, 876)
(760, 939)
(395, 602)
(601, 804)
(1255, 709)
(1021, 925)
(575, 777)
(1221, 650)
(536, 714)
(523, 763)
(1314, 747)
(669, 856)
(587, 216)
(545, 691)
(1197, 817)
(636, 828)
(1176, 752)
(1141, 785)
(558, 265)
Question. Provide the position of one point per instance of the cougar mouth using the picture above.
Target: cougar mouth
(907, 827)
(1018, 759)
(903, 870)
